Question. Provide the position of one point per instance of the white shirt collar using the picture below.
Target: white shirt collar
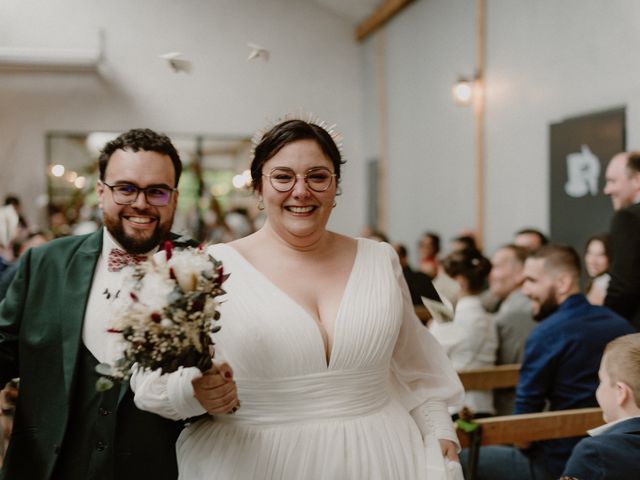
(594, 432)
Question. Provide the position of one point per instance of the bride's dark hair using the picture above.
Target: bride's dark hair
(288, 132)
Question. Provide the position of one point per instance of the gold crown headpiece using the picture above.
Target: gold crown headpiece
(305, 117)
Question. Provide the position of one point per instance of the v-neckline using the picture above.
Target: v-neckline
(327, 355)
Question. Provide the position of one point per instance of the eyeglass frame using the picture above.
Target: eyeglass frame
(171, 190)
(304, 176)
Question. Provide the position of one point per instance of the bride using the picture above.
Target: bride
(336, 376)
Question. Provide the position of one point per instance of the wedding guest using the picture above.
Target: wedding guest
(514, 320)
(530, 238)
(470, 340)
(23, 225)
(419, 283)
(560, 365)
(613, 450)
(623, 186)
(33, 240)
(8, 228)
(596, 262)
(463, 242)
(429, 248)
(53, 333)
(337, 377)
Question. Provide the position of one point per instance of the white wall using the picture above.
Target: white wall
(546, 60)
(314, 65)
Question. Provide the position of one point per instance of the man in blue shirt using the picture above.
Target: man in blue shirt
(560, 365)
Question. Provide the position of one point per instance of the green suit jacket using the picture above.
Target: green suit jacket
(40, 336)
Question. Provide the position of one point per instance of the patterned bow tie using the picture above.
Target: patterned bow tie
(118, 259)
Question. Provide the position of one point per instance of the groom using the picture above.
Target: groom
(53, 332)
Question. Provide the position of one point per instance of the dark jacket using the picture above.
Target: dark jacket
(623, 293)
(41, 322)
(614, 454)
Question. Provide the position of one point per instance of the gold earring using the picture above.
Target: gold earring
(260, 205)
(334, 204)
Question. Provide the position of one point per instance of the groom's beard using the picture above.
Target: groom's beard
(142, 241)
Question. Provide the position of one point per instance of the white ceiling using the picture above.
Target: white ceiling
(354, 10)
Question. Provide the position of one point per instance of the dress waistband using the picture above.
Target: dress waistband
(319, 396)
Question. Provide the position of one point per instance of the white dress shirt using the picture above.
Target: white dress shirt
(470, 341)
(105, 290)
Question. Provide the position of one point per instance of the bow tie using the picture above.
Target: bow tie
(118, 259)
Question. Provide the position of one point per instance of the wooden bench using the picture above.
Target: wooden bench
(488, 378)
(526, 428)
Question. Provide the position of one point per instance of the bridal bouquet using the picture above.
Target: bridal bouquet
(167, 319)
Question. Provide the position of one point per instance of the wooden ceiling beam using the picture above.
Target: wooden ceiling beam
(377, 19)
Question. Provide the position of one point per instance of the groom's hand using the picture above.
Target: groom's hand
(215, 390)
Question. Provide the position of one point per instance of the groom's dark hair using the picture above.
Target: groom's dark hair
(141, 139)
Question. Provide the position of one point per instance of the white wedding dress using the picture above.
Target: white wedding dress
(301, 418)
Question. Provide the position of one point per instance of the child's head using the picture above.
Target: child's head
(619, 390)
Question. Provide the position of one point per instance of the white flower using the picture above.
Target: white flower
(188, 267)
(159, 259)
(155, 290)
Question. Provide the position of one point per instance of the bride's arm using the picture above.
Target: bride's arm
(170, 395)
(186, 392)
(433, 419)
(423, 375)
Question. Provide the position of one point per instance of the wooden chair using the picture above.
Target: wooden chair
(526, 428)
(488, 378)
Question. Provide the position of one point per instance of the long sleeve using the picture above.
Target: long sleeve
(622, 293)
(423, 376)
(538, 365)
(169, 395)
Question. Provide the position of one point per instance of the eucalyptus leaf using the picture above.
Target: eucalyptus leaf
(104, 369)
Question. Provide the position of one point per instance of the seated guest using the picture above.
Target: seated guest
(469, 340)
(613, 450)
(463, 242)
(429, 248)
(531, 239)
(596, 262)
(513, 319)
(560, 364)
(419, 283)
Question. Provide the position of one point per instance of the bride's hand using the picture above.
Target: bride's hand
(215, 389)
(449, 450)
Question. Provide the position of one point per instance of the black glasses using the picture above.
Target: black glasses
(127, 193)
(317, 179)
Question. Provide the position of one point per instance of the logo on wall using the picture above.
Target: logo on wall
(580, 148)
(583, 172)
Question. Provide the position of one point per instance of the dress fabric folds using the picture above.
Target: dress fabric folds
(303, 417)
